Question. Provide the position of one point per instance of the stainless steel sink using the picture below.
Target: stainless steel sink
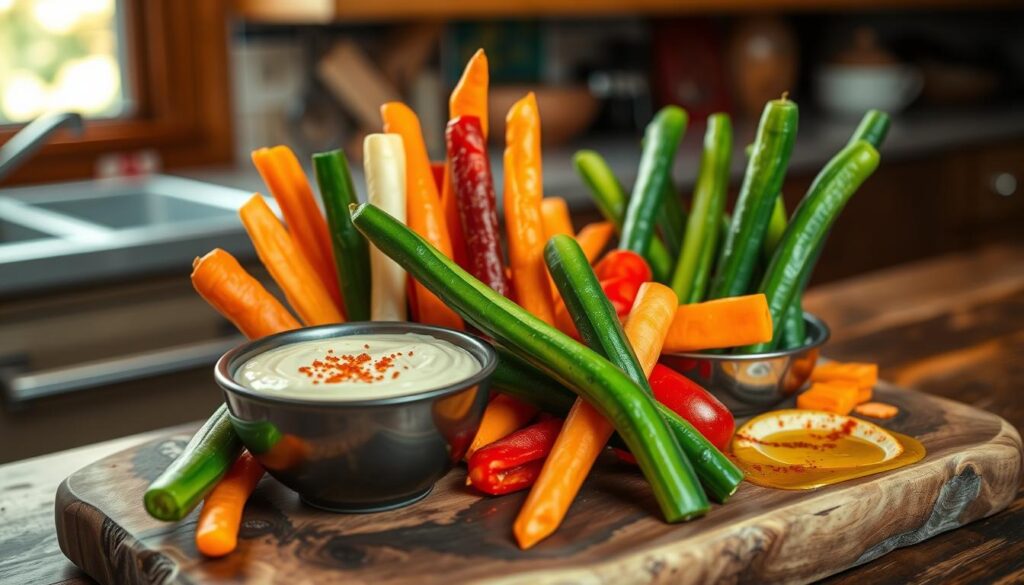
(71, 233)
(136, 209)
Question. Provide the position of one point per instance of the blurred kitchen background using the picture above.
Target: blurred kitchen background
(100, 216)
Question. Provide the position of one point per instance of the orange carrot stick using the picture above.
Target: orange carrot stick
(585, 432)
(469, 98)
(221, 517)
(865, 375)
(424, 213)
(721, 323)
(594, 238)
(837, 397)
(289, 268)
(554, 212)
(879, 410)
(283, 175)
(503, 416)
(523, 195)
(239, 297)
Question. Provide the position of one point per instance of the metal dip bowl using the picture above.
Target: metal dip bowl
(751, 384)
(358, 455)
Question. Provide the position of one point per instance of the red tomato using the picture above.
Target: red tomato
(623, 263)
(687, 399)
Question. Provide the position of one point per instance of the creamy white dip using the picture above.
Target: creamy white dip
(358, 367)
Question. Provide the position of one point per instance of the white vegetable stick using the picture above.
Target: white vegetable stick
(384, 165)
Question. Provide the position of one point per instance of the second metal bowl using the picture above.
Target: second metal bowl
(365, 455)
(754, 383)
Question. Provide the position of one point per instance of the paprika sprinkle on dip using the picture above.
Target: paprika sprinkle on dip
(358, 367)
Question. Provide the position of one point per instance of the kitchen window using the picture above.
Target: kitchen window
(149, 76)
(62, 55)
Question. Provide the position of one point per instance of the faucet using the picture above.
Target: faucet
(32, 137)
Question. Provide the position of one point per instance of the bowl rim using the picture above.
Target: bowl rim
(231, 361)
(819, 337)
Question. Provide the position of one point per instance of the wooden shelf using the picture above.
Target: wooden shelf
(314, 11)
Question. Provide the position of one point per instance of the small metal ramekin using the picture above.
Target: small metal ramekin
(754, 383)
(359, 455)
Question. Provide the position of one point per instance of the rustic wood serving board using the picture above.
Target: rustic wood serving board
(613, 533)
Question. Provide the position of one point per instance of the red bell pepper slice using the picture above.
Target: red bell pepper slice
(623, 263)
(514, 462)
(692, 402)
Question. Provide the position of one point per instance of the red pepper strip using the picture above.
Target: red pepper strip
(692, 402)
(623, 263)
(621, 291)
(514, 462)
(439, 170)
(474, 192)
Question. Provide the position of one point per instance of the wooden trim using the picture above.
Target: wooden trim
(178, 54)
(311, 11)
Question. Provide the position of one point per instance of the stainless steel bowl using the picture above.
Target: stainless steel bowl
(751, 384)
(358, 456)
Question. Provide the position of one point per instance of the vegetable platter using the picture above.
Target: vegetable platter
(580, 321)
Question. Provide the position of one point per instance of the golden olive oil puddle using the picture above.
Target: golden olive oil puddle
(801, 459)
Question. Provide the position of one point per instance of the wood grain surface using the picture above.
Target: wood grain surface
(952, 327)
(612, 534)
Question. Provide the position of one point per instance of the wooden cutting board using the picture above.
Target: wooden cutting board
(613, 533)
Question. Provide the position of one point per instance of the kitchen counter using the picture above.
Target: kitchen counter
(953, 326)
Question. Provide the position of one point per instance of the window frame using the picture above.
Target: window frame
(179, 81)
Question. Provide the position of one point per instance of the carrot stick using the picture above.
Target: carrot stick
(503, 416)
(721, 323)
(424, 213)
(837, 397)
(594, 238)
(469, 98)
(221, 517)
(291, 271)
(384, 167)
(879, 410)
(523, 223)
(862, 374)
(240, 298)
(585, 431)
(283, 175)
(554, 212)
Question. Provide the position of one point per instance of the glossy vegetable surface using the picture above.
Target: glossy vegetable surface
(477, 205)
(661, 140)
(702, 228)
(695, 404)
(206, 458)
(809, 226)
(619, 399)
(610, 200)
(240, 298)
(301, 285)
(351, 252)
(283, 174)
(221, 516)
(513, 462)
(762, 183)
(384, 167)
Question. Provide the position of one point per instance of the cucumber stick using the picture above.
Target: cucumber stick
(762, 182)
(630, 410)
(610, 200)
(702, 229)
(793, 259)
(205, 459)
(661, 140)
(351, 252)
